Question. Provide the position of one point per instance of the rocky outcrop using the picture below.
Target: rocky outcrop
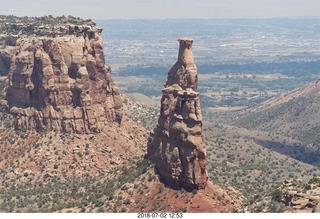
(5, 58)
(177, 144)
(58, 80)
(305, 198)
(293, 196)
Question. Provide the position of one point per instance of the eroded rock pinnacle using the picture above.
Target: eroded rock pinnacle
(177, 146)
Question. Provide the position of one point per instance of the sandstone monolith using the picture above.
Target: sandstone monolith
(177, 145)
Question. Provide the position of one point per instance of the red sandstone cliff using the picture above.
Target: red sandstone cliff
(58, 80)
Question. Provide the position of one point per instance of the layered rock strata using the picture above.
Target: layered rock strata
(59, 80)
(177, 145)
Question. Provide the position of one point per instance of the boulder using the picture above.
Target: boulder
(300, 203)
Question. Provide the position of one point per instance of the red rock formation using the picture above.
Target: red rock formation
(177, 145)
(60, 81)
(6, 55)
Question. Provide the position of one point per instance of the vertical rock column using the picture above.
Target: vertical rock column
(177, 144)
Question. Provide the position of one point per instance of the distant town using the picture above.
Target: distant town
(216, 41)
(230, 53)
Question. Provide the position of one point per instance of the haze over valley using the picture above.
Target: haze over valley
(241, 62)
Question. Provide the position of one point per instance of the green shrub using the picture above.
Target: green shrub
(307, 187)
(276, 195)
(314, 180)
(161, 188)
(194, 192)
(127, 201)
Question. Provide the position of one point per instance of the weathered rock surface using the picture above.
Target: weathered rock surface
(177, 145)
(58, 80)
(305, 198)
(294, 196)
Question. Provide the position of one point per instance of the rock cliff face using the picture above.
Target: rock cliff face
(58, 80)
(177, 145)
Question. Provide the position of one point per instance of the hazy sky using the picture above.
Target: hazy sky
(133, 9)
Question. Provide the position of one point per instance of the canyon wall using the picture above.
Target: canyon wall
(58, 79)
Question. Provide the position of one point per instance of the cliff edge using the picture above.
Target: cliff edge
(57, 77)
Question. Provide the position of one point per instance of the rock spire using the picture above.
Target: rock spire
(177, 145)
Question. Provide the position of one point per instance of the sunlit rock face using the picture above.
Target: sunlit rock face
(58, 80)
(177, 145)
